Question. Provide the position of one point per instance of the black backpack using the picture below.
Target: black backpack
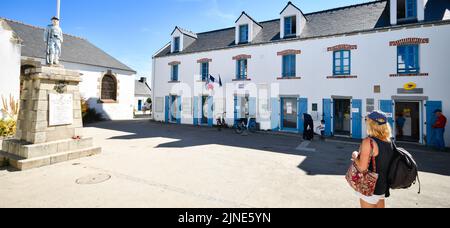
(403, 171)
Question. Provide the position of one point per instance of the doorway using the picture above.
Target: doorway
(407, 121)
(342, 117)
(289, 118)
(173, 109)
(204, 119)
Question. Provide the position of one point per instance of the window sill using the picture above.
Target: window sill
(342, 77)
(409, 75)
(107, 101)
(289, 78)
(174, 82)
(241, 80)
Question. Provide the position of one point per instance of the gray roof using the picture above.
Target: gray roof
(74, 50)
(142, 89)
(361, 17)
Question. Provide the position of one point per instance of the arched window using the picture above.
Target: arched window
(109, 88)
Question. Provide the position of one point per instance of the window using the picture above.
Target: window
(341, 62)
(241, 69)
(176, 45)
(406, 9)
(109, 88)
(289, 66)
(290, 26)
(408, 59)
(174, 73)
(243, 34)
(204, 69)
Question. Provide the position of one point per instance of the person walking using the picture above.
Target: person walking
(378, 144)
(439, 129)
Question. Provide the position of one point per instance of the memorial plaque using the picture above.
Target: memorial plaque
(60, 109)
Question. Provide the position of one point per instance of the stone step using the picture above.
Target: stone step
(30, 151)
(31, 163)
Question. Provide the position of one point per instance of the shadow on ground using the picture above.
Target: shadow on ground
(329, 158)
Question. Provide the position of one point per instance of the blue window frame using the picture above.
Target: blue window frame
(176, 44)
(243, 34)
(290, 26)
(408, 59)
(204, 69)
(289, 66)
(174, 73)
(342, 62)
(241, 69)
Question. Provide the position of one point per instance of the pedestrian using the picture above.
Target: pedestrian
(439, 129)
(378, 144)
(400, 123)
(308, 127)
(321, 129)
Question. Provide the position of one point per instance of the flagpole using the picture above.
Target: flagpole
(58, 8)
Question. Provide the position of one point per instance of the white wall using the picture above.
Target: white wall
(10, 53)
(373, 62)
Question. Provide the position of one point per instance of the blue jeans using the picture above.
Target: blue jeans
(439, 138)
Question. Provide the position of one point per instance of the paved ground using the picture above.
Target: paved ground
(155, 165)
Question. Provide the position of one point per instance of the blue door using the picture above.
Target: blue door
(275, 114)
(431, 119)
(210, 111)
(139, 105)
(196, 111)
(302, 109)
(327, 116)
(178, 107)
(167, 109)
(357, 119)
(387, 106)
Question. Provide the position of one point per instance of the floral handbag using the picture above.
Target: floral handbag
(363, 182)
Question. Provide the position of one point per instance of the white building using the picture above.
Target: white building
(142, 93)
(107, 84)
(336, 65)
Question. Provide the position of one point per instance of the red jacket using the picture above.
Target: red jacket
(440, 122)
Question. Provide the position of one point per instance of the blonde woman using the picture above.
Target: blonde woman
(379, 145)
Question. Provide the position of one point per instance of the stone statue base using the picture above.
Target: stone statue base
(49, 127)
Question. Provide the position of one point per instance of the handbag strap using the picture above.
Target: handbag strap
(374, 163)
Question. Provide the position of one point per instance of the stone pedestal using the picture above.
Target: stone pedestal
(49, 127)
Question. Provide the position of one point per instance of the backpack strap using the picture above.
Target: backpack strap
(372, 155)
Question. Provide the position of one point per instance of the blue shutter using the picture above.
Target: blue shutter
(431, 119)
(387, 107)
(302, 109)
(196, 119)
(275, 114)
(210, 111)
(327, 116)
(237, 69)
(179, 103)
(357, 119)
(288, 26)
(167, 108)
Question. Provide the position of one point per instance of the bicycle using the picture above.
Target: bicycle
(246, 124)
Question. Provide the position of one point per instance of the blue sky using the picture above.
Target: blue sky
(133, 30)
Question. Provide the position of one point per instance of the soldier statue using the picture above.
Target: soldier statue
(53, 37)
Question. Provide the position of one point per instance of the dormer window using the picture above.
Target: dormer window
(292, 21)
(406, 9)
(243, 34)
(176, 44)
(290, 26)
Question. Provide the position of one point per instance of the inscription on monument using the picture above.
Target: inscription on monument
(60, 109)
